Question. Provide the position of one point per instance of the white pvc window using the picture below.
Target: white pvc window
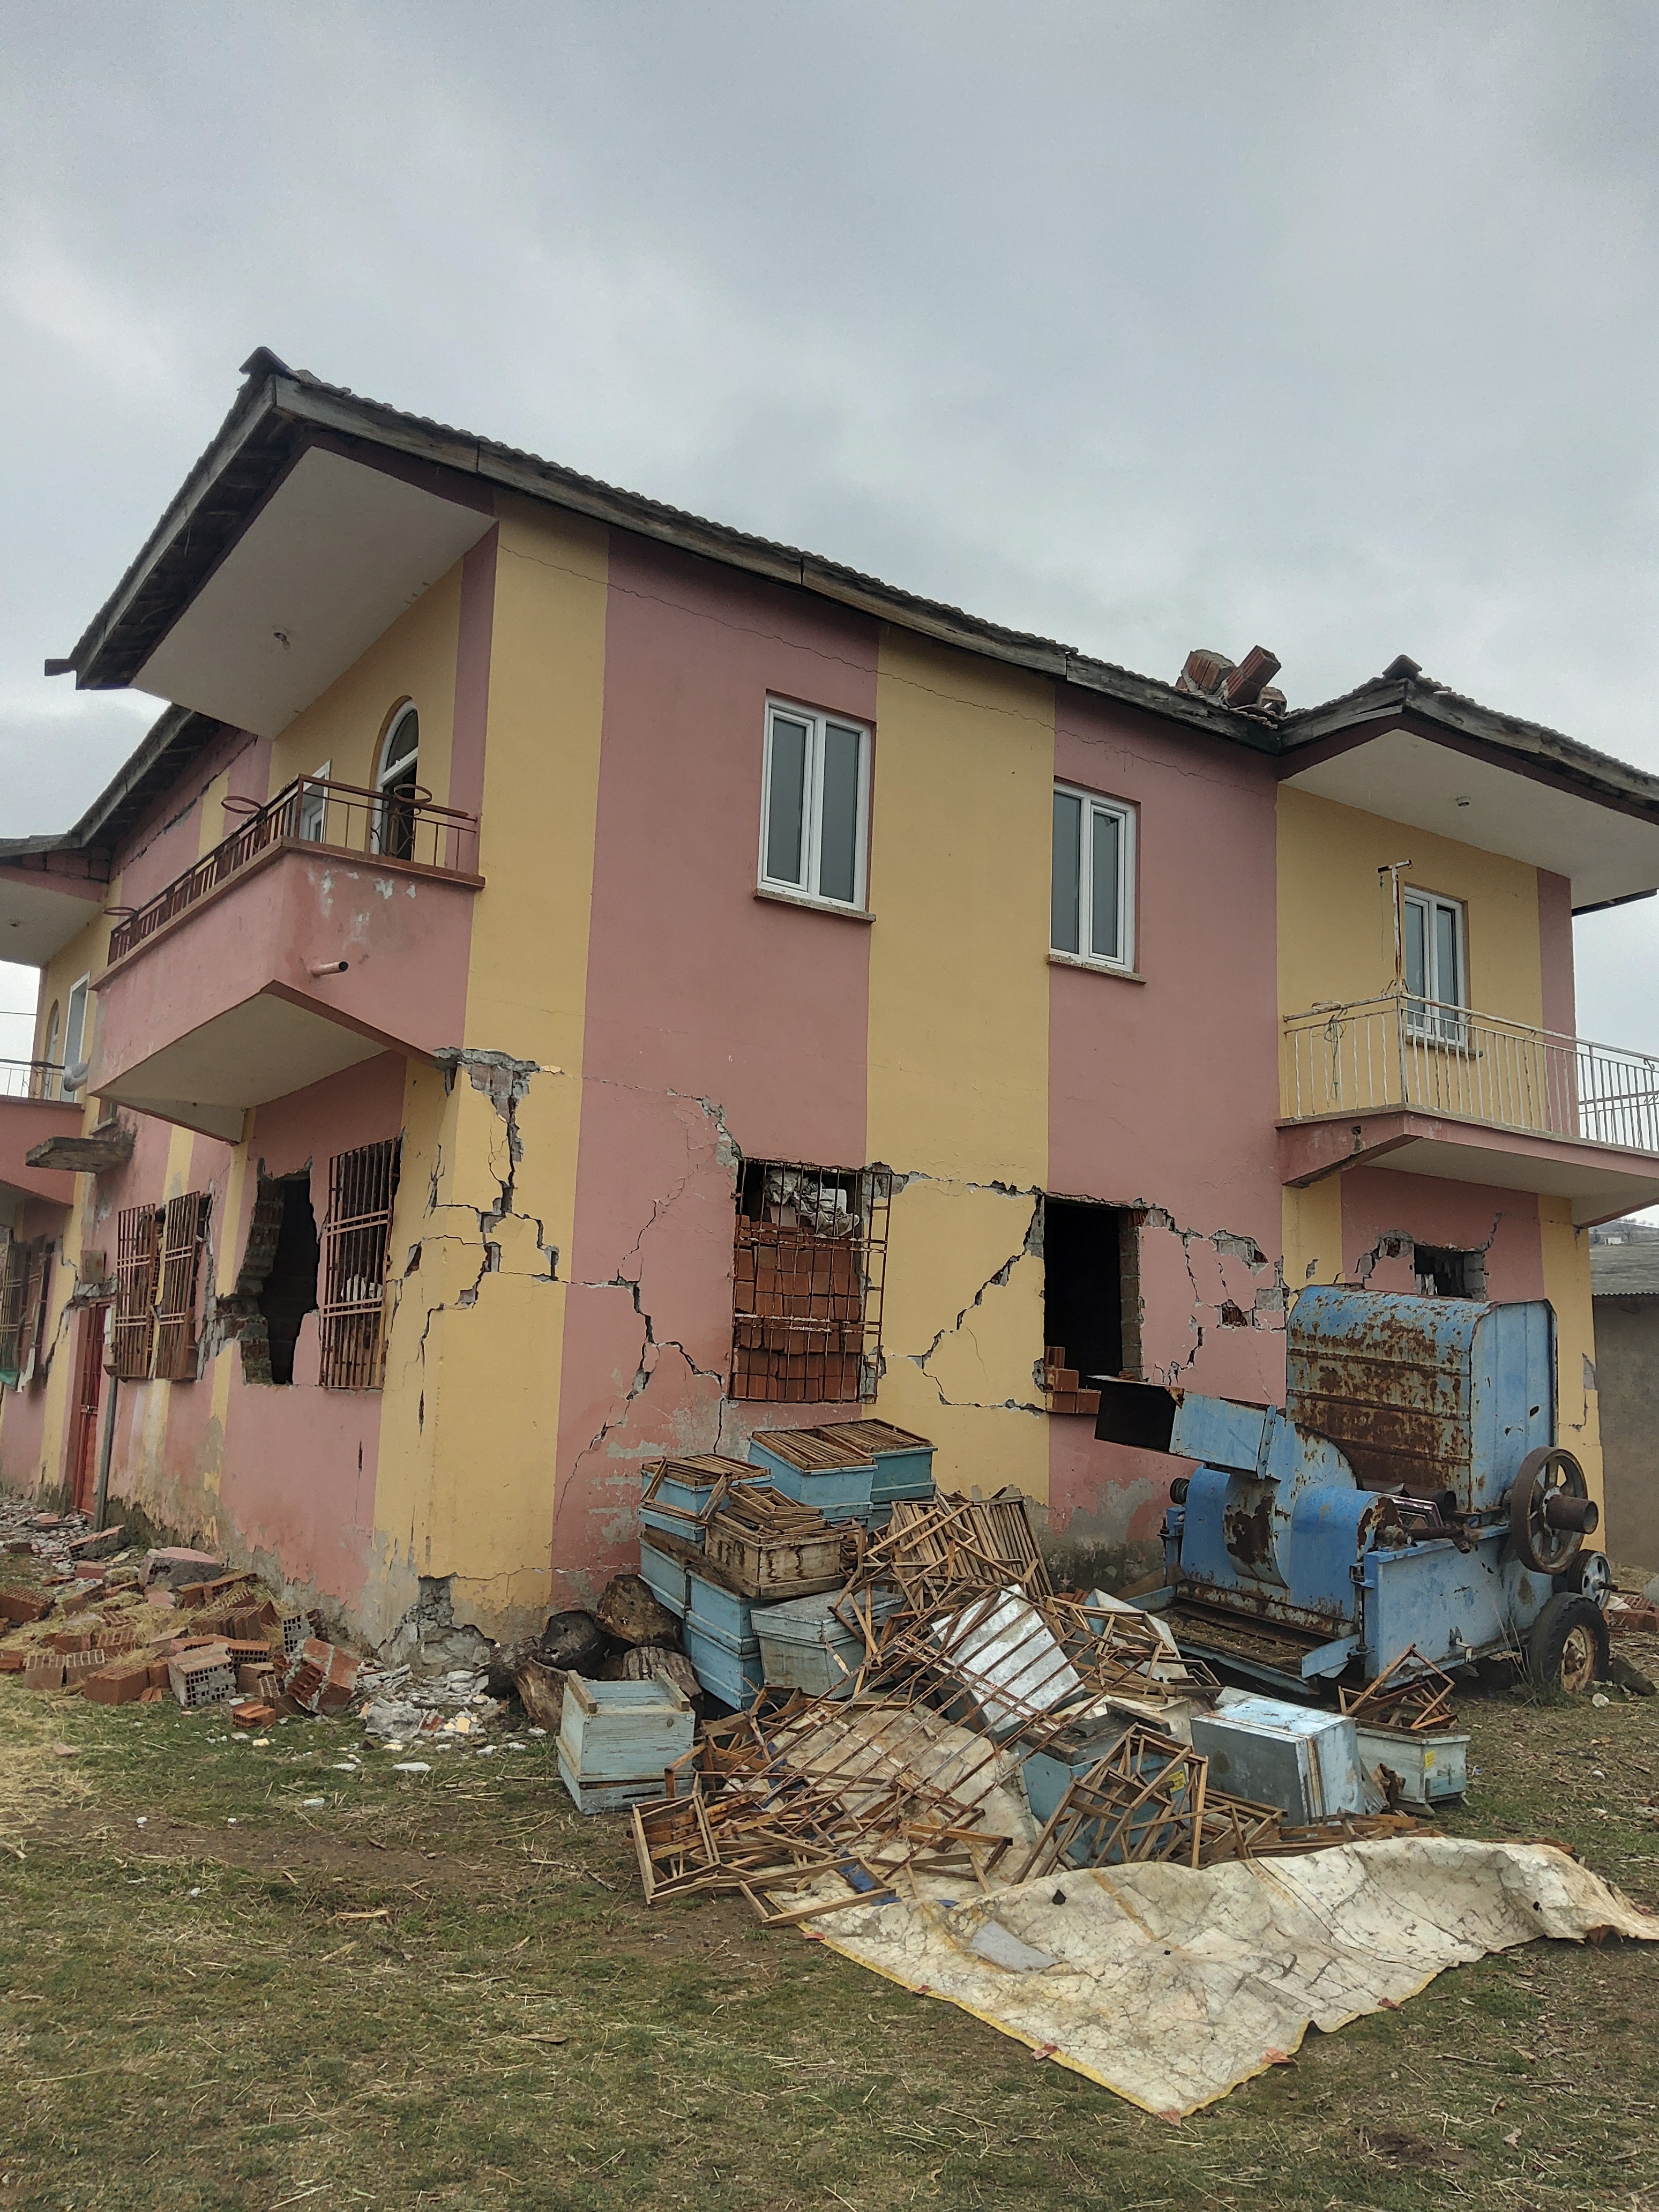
(313, 807)
(1092, 912)
(1435, 969)
(75, 1040)
(814, 805)
(394, 812)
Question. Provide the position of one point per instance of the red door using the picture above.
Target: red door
(88, 1392)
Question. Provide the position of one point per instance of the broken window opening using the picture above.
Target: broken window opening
(1084, 1250)
(809, 1265)
(14, 1305)
(1444, 1272)
(183, 1233)
(25, 1292)
(356, 1236)
(138, 1270)
(289, 1292)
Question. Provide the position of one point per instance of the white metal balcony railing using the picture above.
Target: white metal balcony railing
(1401, 1051)
(33, 1078)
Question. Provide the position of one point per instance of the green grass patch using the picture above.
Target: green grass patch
(445, 1991)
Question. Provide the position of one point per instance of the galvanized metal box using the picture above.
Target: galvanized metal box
(803, 1645)
(1430, 1767)
(1304, 1760)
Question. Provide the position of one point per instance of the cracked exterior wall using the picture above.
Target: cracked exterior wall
(638, 1022)
(476, 1351)
(1336, 943)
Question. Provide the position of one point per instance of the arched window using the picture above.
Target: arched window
(396, 781)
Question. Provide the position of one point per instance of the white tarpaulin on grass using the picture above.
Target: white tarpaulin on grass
(1171, 1986)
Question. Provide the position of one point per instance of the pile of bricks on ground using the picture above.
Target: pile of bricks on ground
(121, 1627)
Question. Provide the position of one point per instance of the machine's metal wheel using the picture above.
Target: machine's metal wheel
(1551, 1511)
(1567, 1649)
(1590, 1575)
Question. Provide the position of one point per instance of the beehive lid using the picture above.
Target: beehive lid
(701, 1471)
(878, 1437)
(814, 1451)
(659, 1694)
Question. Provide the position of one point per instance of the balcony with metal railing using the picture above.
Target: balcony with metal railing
(402, 827)
(34, 1108)
(1410, 1083)
(331, 924)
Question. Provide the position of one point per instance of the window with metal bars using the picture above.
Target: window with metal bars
(25, 1288)
(808, 1267)
(36, 1295)
(137, 1277)
(184, 1232)
(14, 1294)
(356, 1236)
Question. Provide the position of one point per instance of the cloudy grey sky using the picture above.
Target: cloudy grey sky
(1329, 326)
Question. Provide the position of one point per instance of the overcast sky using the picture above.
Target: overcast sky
(1326, 326)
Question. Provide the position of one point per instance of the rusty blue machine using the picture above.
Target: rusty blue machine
(1410, 1498)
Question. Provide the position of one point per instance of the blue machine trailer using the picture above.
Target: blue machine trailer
(1411, 1496)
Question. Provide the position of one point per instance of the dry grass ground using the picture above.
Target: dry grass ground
(445, 1991)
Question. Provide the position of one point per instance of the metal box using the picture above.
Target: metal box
(1423, 1394)
(1430, 1767)
(803, 1645)
(1304, 1760)
(1050, 1772)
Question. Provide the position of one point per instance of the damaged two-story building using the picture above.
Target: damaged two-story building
(563, 980)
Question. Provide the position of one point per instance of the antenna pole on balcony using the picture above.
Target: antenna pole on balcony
(1392, 870)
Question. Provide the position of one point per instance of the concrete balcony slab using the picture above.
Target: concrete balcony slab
(299, 962)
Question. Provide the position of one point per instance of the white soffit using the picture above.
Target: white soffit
(1598, 1194)
(331, 560)
(38, 918)
(265, 1048)
(1406, 778)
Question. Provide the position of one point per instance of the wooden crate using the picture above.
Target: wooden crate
(620, 1736)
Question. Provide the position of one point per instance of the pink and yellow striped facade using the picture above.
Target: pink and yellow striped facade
(632, 1018)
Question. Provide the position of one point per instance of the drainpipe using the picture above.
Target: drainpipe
(101, 1501)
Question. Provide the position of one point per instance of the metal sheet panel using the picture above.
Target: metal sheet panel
(1423, 1394)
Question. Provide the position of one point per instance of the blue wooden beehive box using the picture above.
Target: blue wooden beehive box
(904, 1463)
(816, 1468)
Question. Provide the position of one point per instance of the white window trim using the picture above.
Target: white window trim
(1440, 1027)
(807, 893)
(314, 806)
(390, 765)
(1096, 802)
(82, 1044)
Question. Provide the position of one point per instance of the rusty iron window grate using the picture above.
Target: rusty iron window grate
(361, 1186)
(25, 1292)
(184, 1232)
(808, 1267)
(137, 1279)
(14, 1296)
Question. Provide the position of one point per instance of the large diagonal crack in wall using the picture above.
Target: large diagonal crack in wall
(1030, 1246)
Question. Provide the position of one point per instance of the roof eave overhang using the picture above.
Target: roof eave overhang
(278, 414)
(1523, 748)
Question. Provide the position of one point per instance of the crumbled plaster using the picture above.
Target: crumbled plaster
(488, 1231)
